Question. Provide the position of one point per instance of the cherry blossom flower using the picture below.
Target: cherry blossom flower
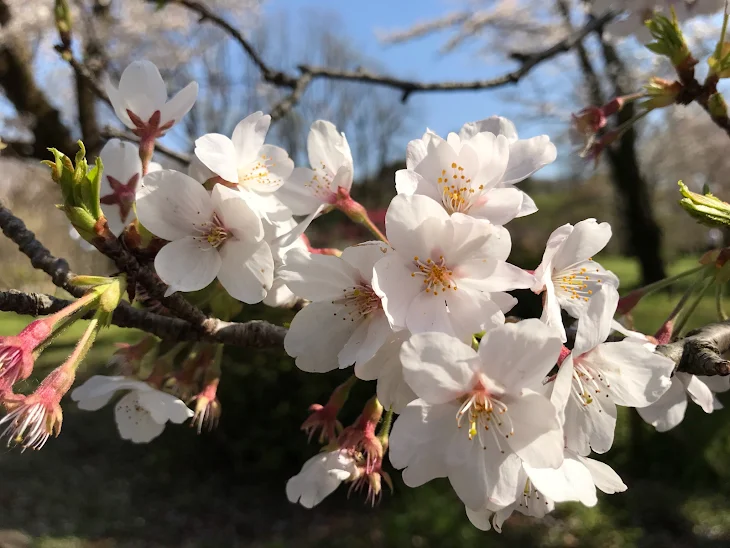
(538, 489)
(141, 414)
(526, 156)
(319, 477)
(597, 376)
(308, 191)
(245, 161)
(212, 236)
(448, 273)
(141, 101)
(345, 324)
(668, 411)
(479, 415)
(122, 175)
(474, 172)
(462, 175)
(568, 275)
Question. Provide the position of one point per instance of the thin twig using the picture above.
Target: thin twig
(283, 107)
(272, 76)
(527, 61)
(81, 70)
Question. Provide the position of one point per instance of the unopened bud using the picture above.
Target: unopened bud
(80, 188)
(705, 208)
(661, 92)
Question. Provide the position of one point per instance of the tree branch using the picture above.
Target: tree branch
(59, 271)
(527, 61)
(701, 351)
(253, 334)
(195, 325)
(41, 259)
(272, 76)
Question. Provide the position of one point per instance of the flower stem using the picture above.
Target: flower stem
(719, 296)
(689, 310)
(661, 284)
(385, 428)
(368, 223)
(680, 304)
(357, 212)
(73, 310)
(146, 150)
(84, 345)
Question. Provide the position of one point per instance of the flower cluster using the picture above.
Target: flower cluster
(509, 410)
(503, 410)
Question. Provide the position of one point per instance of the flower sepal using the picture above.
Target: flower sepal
(80, 189)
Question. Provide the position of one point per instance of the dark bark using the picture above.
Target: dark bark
(18, 82)
(643, 237)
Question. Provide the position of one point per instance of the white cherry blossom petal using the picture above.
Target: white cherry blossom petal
(315, 340)
(520, 354)
(134, 422)
(249, 135)
(142, 88)
(246, 270)
(236, 215)
(438, 367)
(172, 205)
(187, 264)
(176, 108)
(669, 410)
(218, 154)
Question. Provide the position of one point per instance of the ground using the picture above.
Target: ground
(88, 488)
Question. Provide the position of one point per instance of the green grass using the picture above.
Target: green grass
(89, 489)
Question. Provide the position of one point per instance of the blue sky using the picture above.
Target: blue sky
(417, 60)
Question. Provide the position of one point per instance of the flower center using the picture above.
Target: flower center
(360, 301)
(578, 282)
(588, 383)
(258, 172)
(487, 417)
(530, 500)
(457, 194)
(436, 275)
(214, 232)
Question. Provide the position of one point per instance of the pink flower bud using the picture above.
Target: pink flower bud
(33, 419)
(16, 353)
(361, 437)
(324, 418)
(207, 408)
